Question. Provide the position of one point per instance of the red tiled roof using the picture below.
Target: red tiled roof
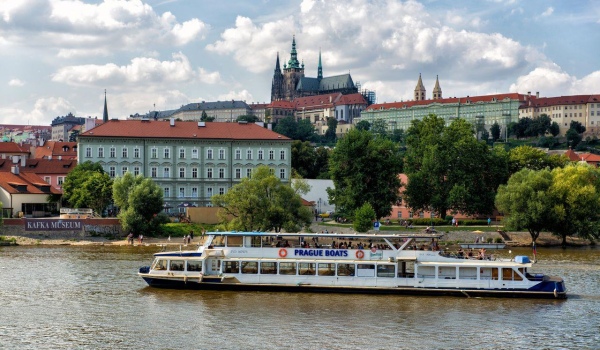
(55, 149)
(352, 99)
(559, 100)
(317, 100)
(12, 147)
(572, 155)
(255, 106)
(182, 130)
(27, 179)
(281, 104)
(468, 99)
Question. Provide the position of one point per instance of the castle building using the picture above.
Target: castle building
(291, 82)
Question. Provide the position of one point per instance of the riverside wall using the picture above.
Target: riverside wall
(89, 228)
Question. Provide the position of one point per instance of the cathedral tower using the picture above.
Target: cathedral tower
(292, 73)
(420, 90)
(277, 84)
(437, 90)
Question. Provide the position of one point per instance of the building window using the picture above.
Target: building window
(209, 173)
(271, 155)
(60, 180)
(221, 190)
(154, 153)
(238, 173)
(195, 192)
(221, 173)
(124, 170)
(249, 154)
(182, 153)
(166, 172)
(209, 154)
(167, 153)
(100, 152)
(194, 173)
(113, 152)
(182, 173)
(249, 173)
(136, 152)
(282, 173)
(209, 192)
(181, 192)
(88, 152)
(136, 170)
(166, 192)
(282, 155)
(112, 171)
(410, 214)
(238, 154)
(399, 215)
(124, 152)
(194, 154)
(153, 172)
(260, 155)
(221, 154)
(48, 180)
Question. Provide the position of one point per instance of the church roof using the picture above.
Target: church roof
(452, 100)
(437, 87)
(232, 104)
(335, 82)
(420, 86)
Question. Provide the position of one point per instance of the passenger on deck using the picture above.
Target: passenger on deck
(286, 244)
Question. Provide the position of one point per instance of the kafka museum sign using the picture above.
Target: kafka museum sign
(53, 225)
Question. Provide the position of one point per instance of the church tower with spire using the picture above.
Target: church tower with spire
(420, 90)
(277, 84)
(320, 68)
(292, 73)
(105, 115)
(437, 90)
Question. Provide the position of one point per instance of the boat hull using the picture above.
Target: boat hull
(541, 292)
(483, 245)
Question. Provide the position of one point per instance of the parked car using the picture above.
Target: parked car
(326, 214)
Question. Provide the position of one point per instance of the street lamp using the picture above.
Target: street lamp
(319, 206)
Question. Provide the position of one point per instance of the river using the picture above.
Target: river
(90, 297)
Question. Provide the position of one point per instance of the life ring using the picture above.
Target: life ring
(360, 254)
(282, 253)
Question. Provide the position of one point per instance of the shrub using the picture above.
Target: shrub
(499, 240)
(473, 222)
(428, 221)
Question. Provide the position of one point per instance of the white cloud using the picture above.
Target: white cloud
(553, 81)
(16, 82)
(141, 71)
(44, 109)
(243, 95)
(111, 25)
(548, 12)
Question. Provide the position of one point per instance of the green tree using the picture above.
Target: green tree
(379, 127)
(533, 158)
(554, 129)
(363, 218)
(573, 138)
(205, 118)
(262, 202)
(247, 118)
(525, 201)
(364, 169)
(305, 131)
(575, 194)
(303, 156)
(330, 135)
(321, 164)
(140, 201)
(448, 168)
(86, 187)
(577, 126)
(495, 130)
(397, 136)
(287, 126)
(363, 125)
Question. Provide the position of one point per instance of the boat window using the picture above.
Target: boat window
(159, 264)
(176, 265)
(345, 269)
(467, 273)
(234, 241)
(365, 270)
(249, 267)
(326, 269)
(195, 266)
(386, 270)
(232, 267)
(406, 269)
(306, 268)
(218, 241)
(287, 268)
(268, 268)
(523, 271)
(255, 241)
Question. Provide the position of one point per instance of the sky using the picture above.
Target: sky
(59, 56)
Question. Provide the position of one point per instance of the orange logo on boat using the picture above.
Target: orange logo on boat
(282, 253)
(360, 254)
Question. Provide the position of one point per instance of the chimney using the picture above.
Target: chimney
(528, 93)
(172, 122)
(23, 160)
(537, 94)
(14, 169)
(50, 157)
(59, 157)
(15, 159)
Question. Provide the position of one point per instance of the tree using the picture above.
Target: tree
(321, 164)
(363, 218)
(378, 127)
(87, 186)
(249, 118)
(448, 168)
(363, 125)
(573, 138)
(577, 126)
(554, 129)
(364, 169)
(205, 118)
(303, 157)
(330, 135)
(302, 130)
(262, 202)
(525, 201)
(397, 136)
(305, 131)
(575, 194)
(140, 201)
(532, 158)
(495, 130)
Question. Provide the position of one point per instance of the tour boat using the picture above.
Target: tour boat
(347, 263)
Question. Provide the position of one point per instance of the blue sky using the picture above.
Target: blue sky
(58, 56)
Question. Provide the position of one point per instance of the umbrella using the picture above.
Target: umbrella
(185, 205)
(478, 232)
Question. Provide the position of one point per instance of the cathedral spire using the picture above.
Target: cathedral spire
(277, 65)
(320, 68)
(437, 90)
(420, 90)
(293, 62)
(105, 115)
